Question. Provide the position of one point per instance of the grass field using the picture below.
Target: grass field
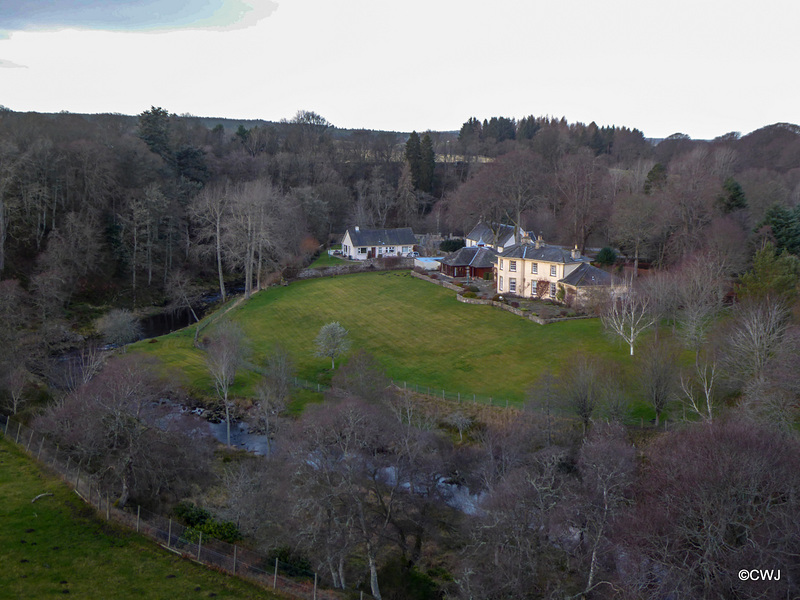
(327, 260)
(418, 331)
(57, 546)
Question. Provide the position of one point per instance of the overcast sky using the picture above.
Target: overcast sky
(700, 67)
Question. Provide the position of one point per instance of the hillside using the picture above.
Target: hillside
(58, 546)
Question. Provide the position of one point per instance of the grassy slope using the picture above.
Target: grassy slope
(58, 546)
(418, 331)
(326, 260)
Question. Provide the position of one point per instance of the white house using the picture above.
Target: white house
(361, 244)
(483, 235)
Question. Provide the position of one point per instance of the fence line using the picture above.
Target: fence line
(185, 541)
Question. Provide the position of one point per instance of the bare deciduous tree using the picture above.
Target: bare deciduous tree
(208, 210)
(700, 284)
(699, 387)
(224, 355)
(114, 428)
(714, 497)
(331, 341)
(607, 464)
(657, 371)
(119, 327)
(273, 391)
(580, 392)
(756, 331)
(14, 382)
(628, 315)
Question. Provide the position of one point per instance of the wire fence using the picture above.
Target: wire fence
(459, 398)
(185, 541)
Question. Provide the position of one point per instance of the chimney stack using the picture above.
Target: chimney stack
(576, 253)
(539, 241)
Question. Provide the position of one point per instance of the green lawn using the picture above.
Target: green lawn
(326, 260)
(57, 546)
(418, 331)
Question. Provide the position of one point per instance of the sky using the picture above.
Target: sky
(699, 67)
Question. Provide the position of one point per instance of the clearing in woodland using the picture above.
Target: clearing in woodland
(417, 331)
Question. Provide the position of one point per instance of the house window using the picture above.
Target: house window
(406, 249)
(552, 270)
(512, 265)
(534, 268)
(501, 284)
(501, 264)
(512, 284)
(362, 250)
(552, 290)
(391, 249)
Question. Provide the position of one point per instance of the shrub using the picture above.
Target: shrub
(488, 276)
(473, 288)
(292, 563)
(470, 295)
(199, 520)
(515, 305)
(433, 276)
(606, 256)
(452, 245)
(496, 298)
(119, 327)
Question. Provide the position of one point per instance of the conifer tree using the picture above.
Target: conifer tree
(414, 157)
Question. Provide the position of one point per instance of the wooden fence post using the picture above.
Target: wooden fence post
(275, 577)
(169, 533)
(234, 559)
(199, 546)
(16, 441)
(30, 439)
(138, 516)
(108, 506)
(39, 455)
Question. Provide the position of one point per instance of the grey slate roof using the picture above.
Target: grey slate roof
(482, 231)
(479, 257)
(403, 236)
(553, 254)
(587, 275)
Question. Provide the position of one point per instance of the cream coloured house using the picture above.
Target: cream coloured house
(532, 269)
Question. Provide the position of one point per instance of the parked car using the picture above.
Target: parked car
(337, 252)
(413, 255)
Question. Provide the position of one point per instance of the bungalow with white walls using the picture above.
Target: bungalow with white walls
(484, 235)
(362, 244)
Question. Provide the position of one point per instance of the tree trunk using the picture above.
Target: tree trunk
(373, 577)
(219, 259)
(227, 417)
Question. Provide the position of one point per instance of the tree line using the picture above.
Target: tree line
(379, 490)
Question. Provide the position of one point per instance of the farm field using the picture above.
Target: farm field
(58, 546)
(417, 331)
